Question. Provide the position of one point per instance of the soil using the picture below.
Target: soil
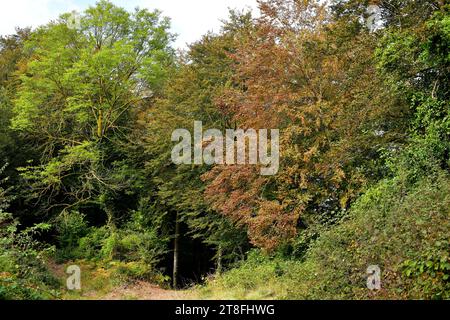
(144, 291)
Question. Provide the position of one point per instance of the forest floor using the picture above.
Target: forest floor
(142, 290)
(98, 284)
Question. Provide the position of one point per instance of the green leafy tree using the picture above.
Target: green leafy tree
(80, 93)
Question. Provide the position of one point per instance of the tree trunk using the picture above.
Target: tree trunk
(176, 252)
(219, 260)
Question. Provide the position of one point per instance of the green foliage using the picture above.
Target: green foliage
(259, 277)
(130, 244)
(416, 61)
(91, 245)
(71, 227)
(401, 228)
(392, 223)
(430, 273)
(79, 98)
(24, 274)
(86, 117)
(123, 272)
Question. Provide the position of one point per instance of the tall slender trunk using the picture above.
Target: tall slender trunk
(219, 259)
(176, 252)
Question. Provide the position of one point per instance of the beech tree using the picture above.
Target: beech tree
(312, 77)
(80, 92)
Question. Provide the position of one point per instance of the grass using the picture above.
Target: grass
(96, 281)
(112, 280)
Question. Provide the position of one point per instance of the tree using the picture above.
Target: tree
(415, 62)
(80, 94)
(312, 77)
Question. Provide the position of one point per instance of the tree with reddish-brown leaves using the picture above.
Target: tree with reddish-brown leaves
(313, 78)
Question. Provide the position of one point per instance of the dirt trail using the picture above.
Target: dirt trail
(144, 291)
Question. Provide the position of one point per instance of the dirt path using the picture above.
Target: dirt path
(144, 291)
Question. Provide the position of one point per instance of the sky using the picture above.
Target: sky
(190, 18)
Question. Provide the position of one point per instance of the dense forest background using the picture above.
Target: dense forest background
(363, 110)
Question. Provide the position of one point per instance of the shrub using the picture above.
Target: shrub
(24, 274)
(389, 226)
(90, 246)
(402, 228)
(71, 227)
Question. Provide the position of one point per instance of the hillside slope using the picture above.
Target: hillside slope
(403, 231)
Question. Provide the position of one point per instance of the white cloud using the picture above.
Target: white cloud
(190, 19)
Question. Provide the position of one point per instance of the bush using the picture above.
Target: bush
(390, 225)
(71, 227)
(132, 253)
(401, 228)
(24, 274)
(90, 246)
